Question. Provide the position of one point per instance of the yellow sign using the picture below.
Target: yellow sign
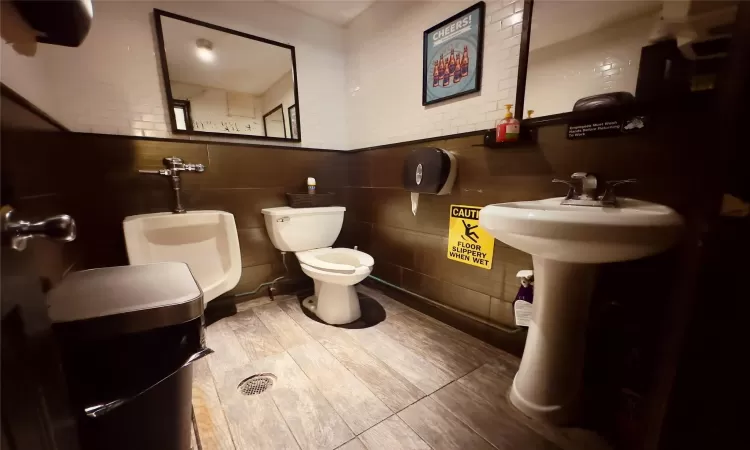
(467, 241)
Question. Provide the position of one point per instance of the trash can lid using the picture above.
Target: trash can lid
(127, 298)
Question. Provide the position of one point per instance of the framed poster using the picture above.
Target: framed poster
(293, 121)
(452, 56)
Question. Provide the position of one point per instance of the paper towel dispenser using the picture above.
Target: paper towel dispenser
(429, 170)
(60, 22)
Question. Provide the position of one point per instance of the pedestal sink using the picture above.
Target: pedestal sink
(566, 243)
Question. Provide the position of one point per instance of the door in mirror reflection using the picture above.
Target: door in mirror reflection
(221, 81)
(274, 122)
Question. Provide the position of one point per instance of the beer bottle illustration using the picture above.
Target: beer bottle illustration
(435, 76)
(457, 72)
(465, 62)
(451, 63)
(446, 76)
(441, 66)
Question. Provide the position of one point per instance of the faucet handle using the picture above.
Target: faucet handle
(609, 198)
(613, 183)
(571, 187)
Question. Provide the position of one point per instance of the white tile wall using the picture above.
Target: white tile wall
(348, 96)
(603, 61)
(211, 110)
(387, 39)
(112, 83)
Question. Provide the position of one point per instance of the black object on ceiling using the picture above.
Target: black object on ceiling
(60, 22)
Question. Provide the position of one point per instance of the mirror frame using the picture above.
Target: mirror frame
(563, 117)
(158, 14)
(523, 59)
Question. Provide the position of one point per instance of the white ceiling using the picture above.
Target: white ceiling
(338, 12)
(241, 64)
(559, 20)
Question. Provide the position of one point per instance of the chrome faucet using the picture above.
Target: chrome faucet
(583, 190)
(174, 166)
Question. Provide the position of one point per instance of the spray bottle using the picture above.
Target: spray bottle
(524, 298)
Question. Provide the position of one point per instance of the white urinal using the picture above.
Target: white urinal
(205, 240)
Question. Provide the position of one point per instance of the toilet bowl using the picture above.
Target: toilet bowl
(309, 233)
(335, 271)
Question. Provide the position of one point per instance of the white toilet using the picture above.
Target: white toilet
(309, 233)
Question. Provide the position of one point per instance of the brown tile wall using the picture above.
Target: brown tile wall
(25, 180)
(636, 305)
(105, 186)
(95, 179)
(31, 368)
(410, 251)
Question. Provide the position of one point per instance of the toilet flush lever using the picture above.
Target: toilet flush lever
(284, 219)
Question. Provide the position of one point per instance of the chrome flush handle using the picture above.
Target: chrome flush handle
(174, 167)
(16, 232)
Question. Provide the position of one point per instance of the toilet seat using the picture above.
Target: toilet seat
(336, 260)
(335, 271)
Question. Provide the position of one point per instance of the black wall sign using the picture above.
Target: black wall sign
(600, 127)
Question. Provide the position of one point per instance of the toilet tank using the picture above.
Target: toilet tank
(300, 229)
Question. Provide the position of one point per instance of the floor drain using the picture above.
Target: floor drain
(256, 384)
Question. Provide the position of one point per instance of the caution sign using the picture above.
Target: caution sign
(467, 242)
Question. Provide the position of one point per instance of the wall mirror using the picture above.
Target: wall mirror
(594, 53)
(579, 49)
(223, 82)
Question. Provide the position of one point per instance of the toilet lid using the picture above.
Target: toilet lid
(339, 260)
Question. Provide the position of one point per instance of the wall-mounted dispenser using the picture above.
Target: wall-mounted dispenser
(60, 22)
(428, 170)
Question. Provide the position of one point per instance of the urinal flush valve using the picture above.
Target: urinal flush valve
(174, 166)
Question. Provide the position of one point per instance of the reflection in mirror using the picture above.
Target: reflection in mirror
(580, 49)
(273, 121)
(223, 81)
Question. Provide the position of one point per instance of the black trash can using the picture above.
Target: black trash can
(128, 337)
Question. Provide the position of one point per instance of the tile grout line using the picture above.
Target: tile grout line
(435, 399)
(223, 412)
(393, 413)
(412, 429)
(276, 406)
(385, 363)
(273, 400)
(328, 402)
(509, 417)
(345, 368)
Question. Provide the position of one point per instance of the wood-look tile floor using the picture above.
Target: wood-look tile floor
(408, 382)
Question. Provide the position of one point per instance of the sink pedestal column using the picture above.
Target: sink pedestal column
(547, 385)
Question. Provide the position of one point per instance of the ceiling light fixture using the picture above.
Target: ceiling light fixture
(205, 50)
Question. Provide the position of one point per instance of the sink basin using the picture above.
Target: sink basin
(583, 234)
(205, 240)
(566, 242)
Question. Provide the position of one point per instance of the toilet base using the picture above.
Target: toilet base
(334, 304)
